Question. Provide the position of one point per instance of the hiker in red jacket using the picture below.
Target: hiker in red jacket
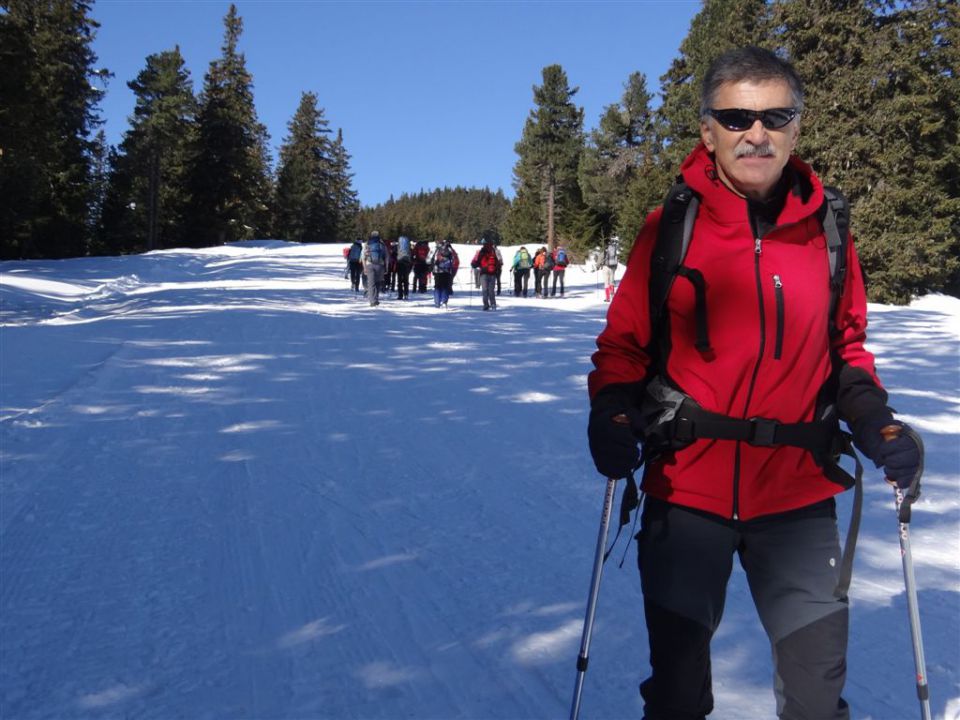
(746, 464)
(487, 262)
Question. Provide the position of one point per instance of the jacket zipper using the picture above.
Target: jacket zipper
(778, 293)
(757, 252)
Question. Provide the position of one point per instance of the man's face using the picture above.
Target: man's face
(751, 161)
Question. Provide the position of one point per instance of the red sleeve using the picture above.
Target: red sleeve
(859, 391)
(851, 319)
(621, 356)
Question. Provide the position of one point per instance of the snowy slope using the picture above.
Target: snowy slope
(230, 489)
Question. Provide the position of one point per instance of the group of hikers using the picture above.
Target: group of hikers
(377, 265)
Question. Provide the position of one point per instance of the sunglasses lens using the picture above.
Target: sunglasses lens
(777, 117)
(735, 119)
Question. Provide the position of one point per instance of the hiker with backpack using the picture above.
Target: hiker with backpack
(443, 263)
(522, 263)
(731, 361)
(375, 259)
(611, 259)
(487, 262)
(404, 265)
(421, 253)
(559, 257)
(390, 275)
(355, 264)
(539, 277)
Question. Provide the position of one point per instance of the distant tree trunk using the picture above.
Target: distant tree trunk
(153, 192)
(551, 192)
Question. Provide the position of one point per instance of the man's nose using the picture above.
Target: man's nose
(757, 133)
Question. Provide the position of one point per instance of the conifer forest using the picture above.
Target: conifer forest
(193, 168)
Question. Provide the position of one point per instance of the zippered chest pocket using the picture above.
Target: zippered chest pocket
(781, 315)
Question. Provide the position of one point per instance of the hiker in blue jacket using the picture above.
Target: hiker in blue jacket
(355, 264)
(375, 259)
(559, 270)
(444, 263)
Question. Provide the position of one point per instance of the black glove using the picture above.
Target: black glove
(901, 457)
(613, 442)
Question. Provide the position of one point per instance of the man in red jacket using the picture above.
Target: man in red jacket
(759, 251)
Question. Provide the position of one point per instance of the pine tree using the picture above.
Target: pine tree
(345, 201)
(305, 205)
(229, 180)
(147, 199)
(620, 162)
(549, 154)
(47, 114)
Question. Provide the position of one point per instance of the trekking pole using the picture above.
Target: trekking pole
(583, 657)
(903, 503)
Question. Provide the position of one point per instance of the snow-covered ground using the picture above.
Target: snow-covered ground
(231, 489)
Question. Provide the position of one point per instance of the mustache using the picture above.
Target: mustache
(748, 150)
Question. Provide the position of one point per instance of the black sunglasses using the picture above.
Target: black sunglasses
(740, 119)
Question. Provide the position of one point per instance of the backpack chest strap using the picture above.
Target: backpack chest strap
(693, 423)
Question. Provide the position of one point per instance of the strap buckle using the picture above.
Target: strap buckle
(763, 431)
(683, 429)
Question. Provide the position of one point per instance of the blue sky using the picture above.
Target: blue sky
(429, 94)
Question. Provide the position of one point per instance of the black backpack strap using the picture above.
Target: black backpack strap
(673, 239)
(845, 572)
(835, 219)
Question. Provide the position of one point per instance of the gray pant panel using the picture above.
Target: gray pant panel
(792, 565)
(488, 288)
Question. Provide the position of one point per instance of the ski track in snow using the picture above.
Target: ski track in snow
(228, 488)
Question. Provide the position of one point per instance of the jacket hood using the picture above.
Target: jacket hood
(804, 196)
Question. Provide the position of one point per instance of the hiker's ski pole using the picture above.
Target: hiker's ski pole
(583, 657)
(904, 501)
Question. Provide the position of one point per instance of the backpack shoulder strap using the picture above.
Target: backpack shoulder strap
(835, 219)
(673, 239)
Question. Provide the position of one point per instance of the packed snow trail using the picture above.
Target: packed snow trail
(231, 489)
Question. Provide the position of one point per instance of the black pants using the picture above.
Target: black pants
(521, 279)
(403, 278)
(356, 270)
(791, 562)
(557, 275)
(420, 271)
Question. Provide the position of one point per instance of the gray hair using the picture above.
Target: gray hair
(748, 63)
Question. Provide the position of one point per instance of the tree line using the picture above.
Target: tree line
(881, 122)
(461, 215)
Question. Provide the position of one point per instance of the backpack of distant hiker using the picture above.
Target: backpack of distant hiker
(611, 256)
(356, 251)
(443, 260)
(375, 253)
(421, 251)
(488, 261)
(548, 261)
(524, 262)
(561, 257)
(403, 247)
